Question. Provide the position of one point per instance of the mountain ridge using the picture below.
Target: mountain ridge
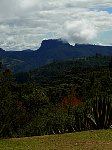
(50, 50)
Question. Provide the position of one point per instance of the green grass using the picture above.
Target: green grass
(87, 140)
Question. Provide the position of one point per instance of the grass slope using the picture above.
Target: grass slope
(87, 140)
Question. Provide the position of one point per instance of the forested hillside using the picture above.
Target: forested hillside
(61, 97)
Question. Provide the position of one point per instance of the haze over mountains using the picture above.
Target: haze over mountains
(50, 50)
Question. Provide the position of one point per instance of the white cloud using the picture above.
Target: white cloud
(25, 23)
(28, 3)
(80, 31)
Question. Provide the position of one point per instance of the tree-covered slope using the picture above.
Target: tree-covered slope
(69, 70)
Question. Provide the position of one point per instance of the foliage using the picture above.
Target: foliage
(32, 105)
(100, 112)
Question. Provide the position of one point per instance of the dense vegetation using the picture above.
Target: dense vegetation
(61, 97)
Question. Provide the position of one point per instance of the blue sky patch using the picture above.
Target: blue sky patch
(109, 9)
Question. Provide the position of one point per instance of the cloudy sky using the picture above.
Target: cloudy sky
(25, 23)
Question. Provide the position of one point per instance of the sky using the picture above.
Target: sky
(25, 23)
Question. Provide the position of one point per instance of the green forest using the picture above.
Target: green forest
(60, 97)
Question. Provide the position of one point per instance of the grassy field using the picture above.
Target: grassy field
(87, 140)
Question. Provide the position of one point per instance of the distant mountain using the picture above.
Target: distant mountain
(49, 51)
